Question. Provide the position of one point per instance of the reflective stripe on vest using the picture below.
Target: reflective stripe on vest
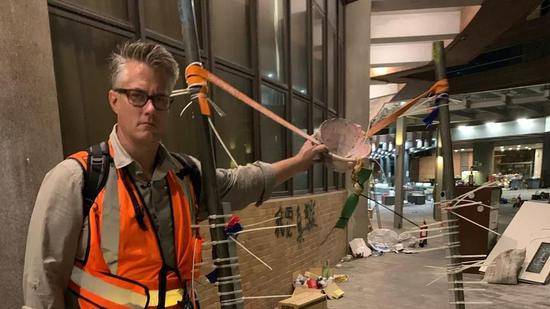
(110, 229)
(110, 292)
(121, 296)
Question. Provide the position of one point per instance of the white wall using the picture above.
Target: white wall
(422, 22)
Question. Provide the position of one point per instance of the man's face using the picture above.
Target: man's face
(145, 124)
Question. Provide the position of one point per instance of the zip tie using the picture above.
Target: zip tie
(225, 259)
(262, 222)
(466, 256)
(439, 222)
(438, 235)
(471, 282)
(229, 277)
(471, 303)
(219, 216)
(218, 109)
(185, 108)
(264, 228)
(229, 293)
(227, 282)
(433, 229)
(433, 249)
(216, 242)
(473, 222)
(212, 226)
(226, 265)
(240, 301)
(463, 205)
(221, 142)
(249, 252)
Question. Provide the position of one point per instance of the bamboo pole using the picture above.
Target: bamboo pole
(456, 292)
(210, 197)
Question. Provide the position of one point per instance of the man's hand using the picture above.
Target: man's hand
(308, 154)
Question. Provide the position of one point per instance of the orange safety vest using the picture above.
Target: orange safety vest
(124, 267)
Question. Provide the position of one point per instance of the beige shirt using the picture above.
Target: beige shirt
(54, 238)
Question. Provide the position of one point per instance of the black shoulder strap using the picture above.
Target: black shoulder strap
(189, 168)
(96, 176)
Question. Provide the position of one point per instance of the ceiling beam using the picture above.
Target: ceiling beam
(397, 64)
(416, 38)
(494, 18)
(398, 5)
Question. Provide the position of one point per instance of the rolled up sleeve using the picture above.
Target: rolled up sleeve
(52, 239)
(246, 184)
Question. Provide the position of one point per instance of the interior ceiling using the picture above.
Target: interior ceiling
(498, 66)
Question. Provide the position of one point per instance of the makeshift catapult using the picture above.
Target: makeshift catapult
(348, 148)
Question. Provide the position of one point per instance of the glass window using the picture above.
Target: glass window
(341, 19)
(331, 11)
(82, 77)
(113, 8)
(230, 33)
(299, 111)
(273, 135)
(235, 128)
(271, 30)
(163, 17)
(320, 3)
(331, 66)
(298, 45)
(341, 85)
(318, 29)
(318, 169)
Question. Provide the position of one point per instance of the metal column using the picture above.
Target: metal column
(400, 134)
(456, 293)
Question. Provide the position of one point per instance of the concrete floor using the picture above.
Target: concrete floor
(399, 280)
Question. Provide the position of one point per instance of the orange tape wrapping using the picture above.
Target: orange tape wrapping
(437, 88)
(195, 76)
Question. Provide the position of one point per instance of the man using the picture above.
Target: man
(134, 247)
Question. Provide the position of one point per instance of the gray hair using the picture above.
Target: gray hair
(152, 54)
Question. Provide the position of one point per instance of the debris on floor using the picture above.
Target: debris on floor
(305, 298)
(505, 267)
(319, 279)
(359, 248)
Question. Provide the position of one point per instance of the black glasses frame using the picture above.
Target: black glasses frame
(154, 98)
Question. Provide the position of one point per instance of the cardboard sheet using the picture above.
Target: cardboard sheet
(531, 223)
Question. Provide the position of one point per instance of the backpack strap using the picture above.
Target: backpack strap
(95, 177)
(189, 168)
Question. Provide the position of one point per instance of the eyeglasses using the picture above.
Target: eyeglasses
(139, 98)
